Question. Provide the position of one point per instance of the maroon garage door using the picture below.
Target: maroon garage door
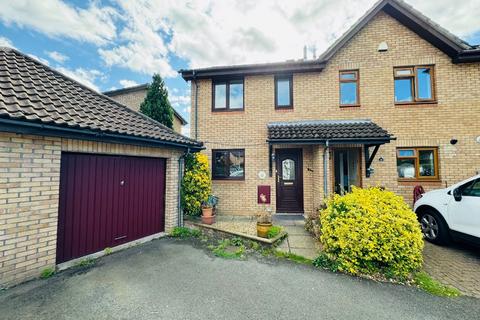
(108, 200)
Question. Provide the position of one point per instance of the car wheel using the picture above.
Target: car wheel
(434, 228)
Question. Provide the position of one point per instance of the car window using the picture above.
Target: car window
(472, 188)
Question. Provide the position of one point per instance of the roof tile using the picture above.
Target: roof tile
(327, 130)
(31, 91)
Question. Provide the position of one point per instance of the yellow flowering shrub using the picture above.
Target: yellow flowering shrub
(371, 231)
(196, 183)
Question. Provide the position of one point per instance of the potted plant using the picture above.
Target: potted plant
(264, 219)
(208, 209)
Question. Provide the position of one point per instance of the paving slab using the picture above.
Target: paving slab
(457, 265)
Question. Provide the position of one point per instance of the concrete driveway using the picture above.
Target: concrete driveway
(169, 279)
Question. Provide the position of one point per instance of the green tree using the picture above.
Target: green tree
(156, 104)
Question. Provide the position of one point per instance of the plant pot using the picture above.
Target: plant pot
(208, 219)
(207, 212)
(262, 229)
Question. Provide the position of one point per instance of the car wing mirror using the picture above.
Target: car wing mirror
(457, 194)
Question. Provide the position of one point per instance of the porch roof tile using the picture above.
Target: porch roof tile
(332, 130)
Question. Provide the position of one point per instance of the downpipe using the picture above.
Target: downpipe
(181, 165)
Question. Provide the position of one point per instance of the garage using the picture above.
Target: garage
(79, 172)
(106, 201)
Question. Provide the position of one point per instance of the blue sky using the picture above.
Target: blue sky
(110, 44)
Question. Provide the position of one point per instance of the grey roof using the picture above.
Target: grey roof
(141, 87)
(322, 130)
(31, 92)
(110, 93)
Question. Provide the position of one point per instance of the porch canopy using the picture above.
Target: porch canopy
(328, 133)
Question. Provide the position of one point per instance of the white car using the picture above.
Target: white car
(451, 213)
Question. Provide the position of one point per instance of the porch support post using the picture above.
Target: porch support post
(325, 169)
(369, 158)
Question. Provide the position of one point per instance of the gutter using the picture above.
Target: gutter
(331, 141)
(467, 56)
(25, 127)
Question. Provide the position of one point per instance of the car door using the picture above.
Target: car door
(465, 214)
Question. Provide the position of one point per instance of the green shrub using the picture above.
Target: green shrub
(324, 262)
(370, 231)
(273, 231)
(47, 273)
(184, 233)
(196, 184)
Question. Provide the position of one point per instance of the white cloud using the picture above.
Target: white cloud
(186, 130)
(5, 42)
(141, 46)
(144, 35)
(127, 83)
(44, 61)
(178, 100)
(85, 76)
(55, 18)
(57, 56)
(216, 32)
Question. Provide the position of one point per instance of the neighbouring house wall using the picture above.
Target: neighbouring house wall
(134, 99)
(316, 97)
(29, 193)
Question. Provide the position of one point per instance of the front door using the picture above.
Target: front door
(347, 169)
(289, 180)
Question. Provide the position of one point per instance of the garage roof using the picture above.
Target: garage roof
(32, 93)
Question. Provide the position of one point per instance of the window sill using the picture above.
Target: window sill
(349, 106)
(284, 108)
(416, 103)
(229, 179)
(419, 181)
(228, 111)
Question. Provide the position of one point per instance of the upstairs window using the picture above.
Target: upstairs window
(283, 92)
(417, 163)
(349, 89)
(228, 164)
(228, 95)
(414, 84)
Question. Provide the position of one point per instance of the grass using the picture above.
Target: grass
(432, 286)
(86, 263)
(229, 249)
(185, 233)
(292, 257)
(273, 231)
(47, 273)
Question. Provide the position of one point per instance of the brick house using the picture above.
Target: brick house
(79, 172)
(132, 97)
(394, 102)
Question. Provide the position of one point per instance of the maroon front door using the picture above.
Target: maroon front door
(108, 200)
(289, 180)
